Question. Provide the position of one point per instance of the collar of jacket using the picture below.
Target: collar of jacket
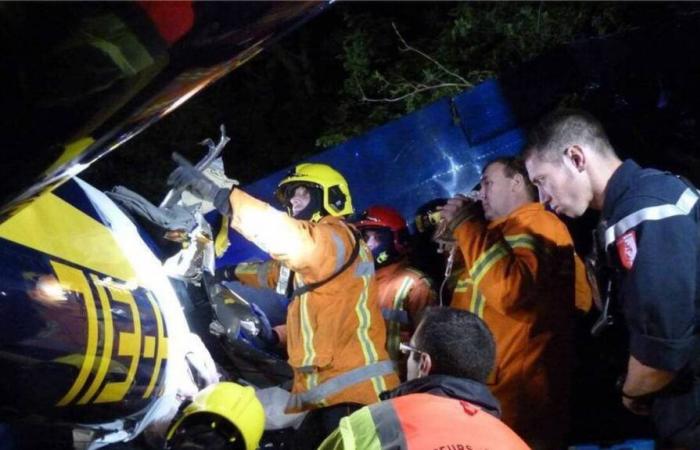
(525, 208)
(618, 184)
(452, 387)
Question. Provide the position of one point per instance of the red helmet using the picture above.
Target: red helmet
(379, 216)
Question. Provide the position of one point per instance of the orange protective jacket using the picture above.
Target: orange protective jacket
(425, 420)
(404, 293)
(335, 333)
(524, 279)
(264, 274)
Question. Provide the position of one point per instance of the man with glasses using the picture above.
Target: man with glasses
(444, 403)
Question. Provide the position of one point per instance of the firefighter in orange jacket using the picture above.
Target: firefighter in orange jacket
(444, 404)
(404, 292)
(524, 279)
(334, 331)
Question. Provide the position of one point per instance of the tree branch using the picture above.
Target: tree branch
(408, 48)
(413, 87)
(416, 90)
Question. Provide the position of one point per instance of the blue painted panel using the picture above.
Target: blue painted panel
(435, 152)
(485, 112)
(509, 143)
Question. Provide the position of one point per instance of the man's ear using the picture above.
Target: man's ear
(425, 364)
(517, 181)
(577, 157)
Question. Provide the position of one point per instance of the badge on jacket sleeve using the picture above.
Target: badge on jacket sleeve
(627, 248)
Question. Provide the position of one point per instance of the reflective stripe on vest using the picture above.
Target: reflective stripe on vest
(462, 285)
(477, 304)
(364, 319)
(307, 338)
(395, 317)
(488, 259)
(424, 421)
(339, 252)
(319, 393)
(682, 207)
(386, 421)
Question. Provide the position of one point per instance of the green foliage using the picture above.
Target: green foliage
(323, 84)
(451, 47)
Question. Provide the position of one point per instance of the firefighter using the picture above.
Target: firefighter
(445, 403)
(334, 332)
(404, 292)
(649, 219)
(520, 277)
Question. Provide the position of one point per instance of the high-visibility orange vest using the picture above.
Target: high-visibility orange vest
(335, 333)
(422, 422)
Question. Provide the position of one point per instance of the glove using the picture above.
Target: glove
(266, 332)
(187, 177)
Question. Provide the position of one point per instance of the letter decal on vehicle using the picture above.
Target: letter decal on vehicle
(125, 345)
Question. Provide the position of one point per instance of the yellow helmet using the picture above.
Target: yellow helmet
(336, 193)
(223, 415)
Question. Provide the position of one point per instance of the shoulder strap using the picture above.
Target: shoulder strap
(353, 256)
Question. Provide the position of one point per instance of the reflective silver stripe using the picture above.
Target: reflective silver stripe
(340, 252)
(395, 315)
(683, 206)
(283, 280)
(364, 268)
(316, 394)
(386, 421)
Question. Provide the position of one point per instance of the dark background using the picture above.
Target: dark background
(307, 91)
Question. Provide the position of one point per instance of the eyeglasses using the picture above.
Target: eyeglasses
(406, 349)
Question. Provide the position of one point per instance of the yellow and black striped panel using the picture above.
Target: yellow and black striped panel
(83, 341)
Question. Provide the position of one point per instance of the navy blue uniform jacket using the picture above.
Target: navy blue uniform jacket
(651, 235)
